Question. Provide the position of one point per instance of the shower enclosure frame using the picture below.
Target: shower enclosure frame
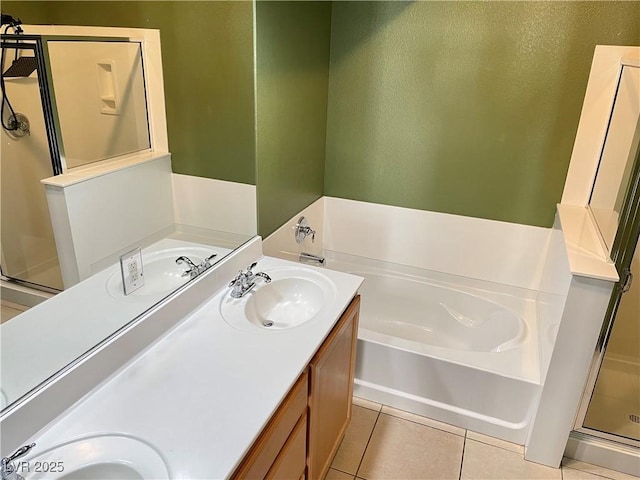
(37, 45)
(622, 254)
(47, 90)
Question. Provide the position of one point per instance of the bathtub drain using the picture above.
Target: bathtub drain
(267, 323)
(634, 418)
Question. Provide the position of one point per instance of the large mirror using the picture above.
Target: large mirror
(221, 120)
(617, 156)
(99, 104)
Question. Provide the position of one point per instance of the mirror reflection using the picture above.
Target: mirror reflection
(106, 117)
(617, 157)
(28, 246)
(86, 180)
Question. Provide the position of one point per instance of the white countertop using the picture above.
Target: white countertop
(204, 391)
(70, 323)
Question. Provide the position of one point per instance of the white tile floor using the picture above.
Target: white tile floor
(385, 443)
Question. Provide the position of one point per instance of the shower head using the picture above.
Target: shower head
(10, 22)
(21, 67)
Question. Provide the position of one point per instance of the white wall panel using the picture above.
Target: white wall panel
(501, 252)
(215, 204)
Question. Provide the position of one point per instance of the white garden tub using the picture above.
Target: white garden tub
(458, 350)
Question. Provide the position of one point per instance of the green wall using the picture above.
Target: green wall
(292, 84)
(207, 56)
(468, 108)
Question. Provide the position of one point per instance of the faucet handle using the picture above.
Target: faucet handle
(206, 263)
(7, 469)
(302, 230)
(22, 451)
(184, 259)
(243, 275)
(238, 278)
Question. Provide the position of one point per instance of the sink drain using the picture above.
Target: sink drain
(267, 323)
(634, 418)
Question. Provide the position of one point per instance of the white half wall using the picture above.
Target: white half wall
(501, 252)
(569, 365)
(215, 204)
(100, 216)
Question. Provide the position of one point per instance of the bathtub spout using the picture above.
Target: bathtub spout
(311, 258)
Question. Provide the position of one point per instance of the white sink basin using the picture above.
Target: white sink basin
(112, 457)
(162, 275)
(295, 296)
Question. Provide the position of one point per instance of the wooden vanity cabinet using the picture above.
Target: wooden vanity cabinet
(275, 446)
(331, 374)
(305, 432)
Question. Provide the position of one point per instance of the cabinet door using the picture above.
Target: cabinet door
(331, 391)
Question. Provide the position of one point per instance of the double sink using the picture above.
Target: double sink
(295, 296)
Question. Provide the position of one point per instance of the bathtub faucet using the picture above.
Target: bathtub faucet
(311, 258)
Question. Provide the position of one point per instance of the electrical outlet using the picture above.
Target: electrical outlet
(131, 269)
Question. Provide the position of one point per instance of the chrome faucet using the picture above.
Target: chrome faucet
(8, 469)
(246, 280)
(194, 269)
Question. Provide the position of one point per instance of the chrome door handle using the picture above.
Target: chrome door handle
(627, 282)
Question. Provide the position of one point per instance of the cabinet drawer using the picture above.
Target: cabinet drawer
(266, 448)
(293, 457)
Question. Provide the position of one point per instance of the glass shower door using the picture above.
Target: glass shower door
(615, 402)
(610, 408)
(27, 242)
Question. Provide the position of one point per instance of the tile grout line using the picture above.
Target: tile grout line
(496, 446)
(425, 425)
(465, 438)
(464, 445)
(364, 452)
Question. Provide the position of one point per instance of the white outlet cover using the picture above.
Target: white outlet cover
(131, 269)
